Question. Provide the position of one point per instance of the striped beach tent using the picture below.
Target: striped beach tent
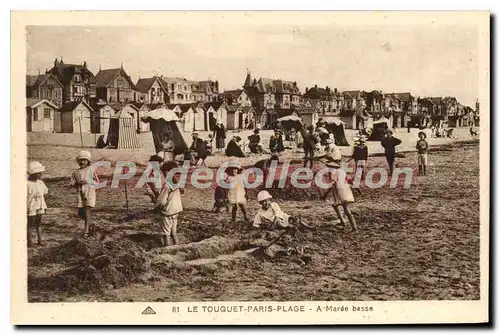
(163, 123)
(122, 133)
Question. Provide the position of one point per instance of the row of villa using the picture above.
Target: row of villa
(69, 97)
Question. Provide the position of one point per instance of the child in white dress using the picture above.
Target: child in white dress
(237, 194)
(35, 200)
(84, 181)
(341, 195)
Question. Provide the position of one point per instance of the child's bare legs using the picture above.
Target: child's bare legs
(339, 214)
(38, 226)
(87, 216)
(244, 211)
(352, 221)
(175, 239)
(31, 223)
(233, 212)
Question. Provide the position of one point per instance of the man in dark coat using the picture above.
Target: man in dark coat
(220, 136)
(233, 149)
(197, 150)
(389, 143)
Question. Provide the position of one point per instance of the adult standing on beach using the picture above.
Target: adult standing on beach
(389, 143)
(220, 136)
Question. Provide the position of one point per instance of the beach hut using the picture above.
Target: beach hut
(336, 127)
(379, 129)
(122, 133)
(163, 125)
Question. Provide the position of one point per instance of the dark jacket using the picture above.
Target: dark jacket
(422, 146)
(390, 145)
(360, 152)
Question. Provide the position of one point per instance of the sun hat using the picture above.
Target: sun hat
(389, 131)
(194, 134)
(84, 154)
(263, 195)
(35, 167)
(422, 133)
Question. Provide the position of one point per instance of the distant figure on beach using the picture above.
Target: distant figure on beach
(390, 143)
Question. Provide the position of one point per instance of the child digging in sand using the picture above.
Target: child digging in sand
(237, 194)
(84, 180)
(35, 200)
(169, 205)
(341, 195)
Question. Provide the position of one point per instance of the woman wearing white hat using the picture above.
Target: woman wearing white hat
(84, 180)
(35, 200)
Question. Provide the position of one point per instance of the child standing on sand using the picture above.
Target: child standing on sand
(35, 200)
(341, 195)
(237, 194)
(423, 150)
(360, 156)
(169, 205)
(84, 180)
(220, 199)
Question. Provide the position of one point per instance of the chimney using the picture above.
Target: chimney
(295, 83)
(56, 62)
(217, 85)
(315, 86)
(328, 89)
(335, 91)
(84, 64)
(307, 89)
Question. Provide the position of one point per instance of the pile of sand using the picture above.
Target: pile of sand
(94, 266)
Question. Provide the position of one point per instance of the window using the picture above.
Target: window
(77, 78)
(46, 113)
(36, 115)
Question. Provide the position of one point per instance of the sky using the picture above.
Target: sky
(427, 61)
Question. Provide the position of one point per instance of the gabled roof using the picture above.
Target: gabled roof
(233, 108)
(218, 104)
(120, 106)
(104, 78)
(31, 80)
(140, 105)
(406, 96)
(65, 72)
(172, 106)
(70, 106)
(98, 104)
(232, 93)
(306, 110)
(33, 102)
(40, 79)
(185, 107)
(155, 105)
(352, 94)
(267, 85)
(144, 84)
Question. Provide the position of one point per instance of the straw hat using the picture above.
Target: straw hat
(422, 133)
(35, 167)
(84, 154)
(263, 195)
(389, 131)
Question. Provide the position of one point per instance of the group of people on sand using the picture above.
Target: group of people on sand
(167, 200)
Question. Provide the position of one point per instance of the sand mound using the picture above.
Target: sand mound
(99, 266)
